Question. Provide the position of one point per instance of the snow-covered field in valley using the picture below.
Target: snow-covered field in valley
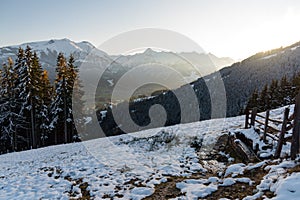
(133, 166)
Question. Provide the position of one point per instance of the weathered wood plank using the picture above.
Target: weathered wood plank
(276, 121)
(247, 118)
(283, 130)
(260, 122)
(253, 116)
(296, 129)
(242, 150)
(266, 126)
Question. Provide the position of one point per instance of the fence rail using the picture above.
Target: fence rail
(288, 123)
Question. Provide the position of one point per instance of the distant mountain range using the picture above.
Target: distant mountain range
(48, 51)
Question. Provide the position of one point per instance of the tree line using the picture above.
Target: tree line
(275, 95)
(33, 111)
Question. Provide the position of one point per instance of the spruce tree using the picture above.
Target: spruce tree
(77, 101)
(71, 76)
(10, 119)
(264, 99)
(59, 105)
(35, 74)
(295, 86)
(46, 94)
(253, 101)
(28, 85)
(285, 92)
(274, 95)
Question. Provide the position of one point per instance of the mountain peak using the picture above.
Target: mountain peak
(58, 40)
(149, 51)
(51, 41)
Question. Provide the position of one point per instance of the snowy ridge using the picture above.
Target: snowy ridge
(270, 56)
(65, 46)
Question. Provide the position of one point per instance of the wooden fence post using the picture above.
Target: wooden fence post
(253, 116)
(247, 118)
(283, 130)
(266, 126)
(296, 129)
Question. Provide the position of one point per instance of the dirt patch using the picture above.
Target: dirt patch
(238, 190)
(169, 190)
(294, 169)
(241, 190)
(85, 193)
(166, 190)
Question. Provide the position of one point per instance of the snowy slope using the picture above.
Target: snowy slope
(106, 163)
(130, 166)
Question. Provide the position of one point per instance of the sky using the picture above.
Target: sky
(232, 28)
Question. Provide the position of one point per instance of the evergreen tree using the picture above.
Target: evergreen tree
(77, 100)
(23, 92)
(29, 75)
(253, 101)
(274, 95)
(59, 105)
(71, 76)
(285, 95)
(46, 93)
(264, 99)
(295, 86)
(36, 73)
(10, 119)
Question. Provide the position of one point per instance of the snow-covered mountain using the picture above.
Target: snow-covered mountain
(180, 162)
(65, 46)
(48, 51)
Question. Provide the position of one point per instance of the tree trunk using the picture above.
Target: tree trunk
(65, 111)
(32, 124)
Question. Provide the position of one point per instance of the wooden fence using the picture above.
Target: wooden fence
(289, 122)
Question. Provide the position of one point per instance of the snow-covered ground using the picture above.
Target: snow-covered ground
(130, 166)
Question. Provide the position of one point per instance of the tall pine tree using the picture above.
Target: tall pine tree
(10, 119)
(76, 101)
(46, 93)
(66, 83)
(59, 105)
(29, 73)
(274, 95)
(253, 101)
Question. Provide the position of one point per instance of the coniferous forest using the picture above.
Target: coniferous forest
(33, 111)
(275, 95)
